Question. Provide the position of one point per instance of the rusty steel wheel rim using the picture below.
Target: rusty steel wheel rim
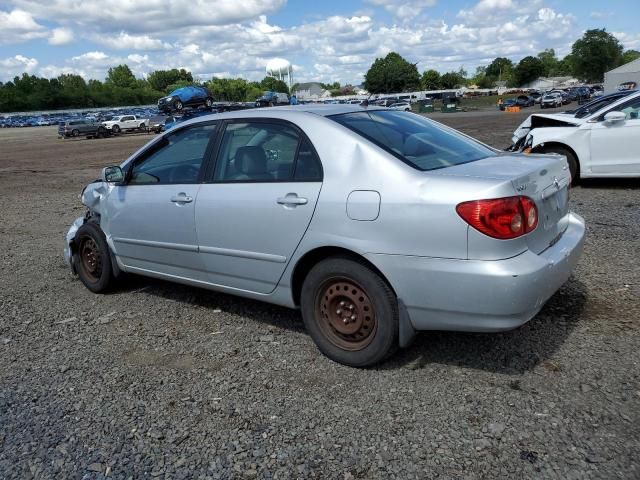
(345, 314)
(91, 258)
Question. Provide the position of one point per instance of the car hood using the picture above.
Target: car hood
(539, 120)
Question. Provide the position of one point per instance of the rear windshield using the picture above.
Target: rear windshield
(415, 140)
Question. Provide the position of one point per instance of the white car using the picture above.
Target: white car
(605, 143)
(404, 106)
(126, 122)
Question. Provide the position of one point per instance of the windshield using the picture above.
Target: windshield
(415, 140)
(594, 106)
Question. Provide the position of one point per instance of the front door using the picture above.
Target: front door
(252, 215)
(151, 217)
(615, 147)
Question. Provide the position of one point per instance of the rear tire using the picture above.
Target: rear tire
(350, 312)
(574, 166)
(92, 258)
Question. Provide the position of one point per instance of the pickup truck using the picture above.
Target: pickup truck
(126, 122)
(270, 99)
(75, 128)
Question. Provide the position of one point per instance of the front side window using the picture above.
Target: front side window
(177, 158)
(413, 139)
(265, 152)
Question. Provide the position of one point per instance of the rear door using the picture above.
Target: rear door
(615, 147)
(253, 213)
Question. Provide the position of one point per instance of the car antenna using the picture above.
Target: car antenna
(365, 102)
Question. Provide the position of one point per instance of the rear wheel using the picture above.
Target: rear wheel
(92, 258)
(350, 312)
(571, 160)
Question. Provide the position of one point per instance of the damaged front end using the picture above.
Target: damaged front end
(521, 134)
(90, 197)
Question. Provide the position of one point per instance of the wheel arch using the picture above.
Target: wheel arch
(313, 257)
(543, 145)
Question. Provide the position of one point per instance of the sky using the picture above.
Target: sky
(330, 40)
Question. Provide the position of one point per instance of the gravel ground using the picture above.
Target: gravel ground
(165, 381)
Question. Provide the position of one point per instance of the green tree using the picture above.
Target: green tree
(391, 74)
(500, 68)
(274, 85)
(121, 76)
(331, 86)
(161, 79)
(630, 56)
(595, 53)
(527, 70)
(549, 62)
(451, 80)
(430, 80)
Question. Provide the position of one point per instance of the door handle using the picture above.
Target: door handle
(181, 198)
(292, 199)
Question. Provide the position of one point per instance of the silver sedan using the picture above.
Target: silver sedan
(374, 223)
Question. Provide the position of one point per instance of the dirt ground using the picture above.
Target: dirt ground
(166, 381)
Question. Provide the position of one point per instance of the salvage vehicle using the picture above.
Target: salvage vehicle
(193, 96)
(397, 224)
(604, 143)
(75, 128)
(271, 99)
(404, 106)
(551, 100)
(123, 123)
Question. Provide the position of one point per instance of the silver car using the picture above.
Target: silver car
(374, 222)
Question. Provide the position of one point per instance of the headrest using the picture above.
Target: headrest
(251, 160)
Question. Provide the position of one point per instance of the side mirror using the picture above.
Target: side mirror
(615, 117)
(112, 175)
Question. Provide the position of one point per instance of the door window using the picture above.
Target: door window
(265, 152)
(176, 159)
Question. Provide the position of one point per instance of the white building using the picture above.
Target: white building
(629, 74)
(311, 91)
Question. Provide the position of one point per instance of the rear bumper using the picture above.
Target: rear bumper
(480, 295)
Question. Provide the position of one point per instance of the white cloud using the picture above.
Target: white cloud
(17, 65)
(125, 41)
(61, 36)
(91, 57)
(404, 10)
(19, 26)
(150, 15)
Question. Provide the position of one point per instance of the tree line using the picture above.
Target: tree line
(120, 87)
(595, 53)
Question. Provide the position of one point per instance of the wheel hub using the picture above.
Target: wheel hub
(346, 314)
(91, 259)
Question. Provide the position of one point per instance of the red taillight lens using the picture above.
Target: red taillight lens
(502, 218)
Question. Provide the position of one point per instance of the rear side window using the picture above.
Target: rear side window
(414, 139)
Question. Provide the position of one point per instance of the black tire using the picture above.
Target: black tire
(208, 102)
(178, 105)
(271, 104)
(75, 132)
(574, 166)
(115, 129)
(143, 127)
(368, 298)
(92, 258)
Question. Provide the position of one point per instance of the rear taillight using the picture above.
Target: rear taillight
(502, 218)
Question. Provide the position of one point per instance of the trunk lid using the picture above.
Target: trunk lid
(543, 178)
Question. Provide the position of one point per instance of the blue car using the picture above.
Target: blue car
(186, 97)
